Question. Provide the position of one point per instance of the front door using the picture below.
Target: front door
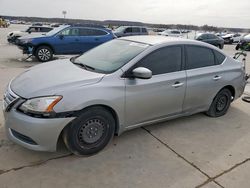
(67, 41)
(163, 94)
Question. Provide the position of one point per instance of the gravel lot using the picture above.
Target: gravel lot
(195, 151)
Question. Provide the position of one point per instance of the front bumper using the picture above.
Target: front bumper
(43, 133)
(27, 48)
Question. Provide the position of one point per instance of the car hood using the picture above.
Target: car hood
(52, 78)
(32, 36)
(227, 36)
(16, 32)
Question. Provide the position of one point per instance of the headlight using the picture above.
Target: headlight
(40, 106)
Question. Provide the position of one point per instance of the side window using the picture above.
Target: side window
(198, 57)
(200, 37)
(144, 30)
(70, 32)
(128, 30)
(164, 60)
(136, 30)
(219, 57)
(211, 37)
(32, 29)
(91, 32)
(97, 32)
(45, 29)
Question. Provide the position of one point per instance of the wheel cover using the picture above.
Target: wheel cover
(91, 131)
(221, 103)
(44, 54)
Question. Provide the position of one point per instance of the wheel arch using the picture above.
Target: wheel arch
(231, 89)
(43, 44)
(106, 107)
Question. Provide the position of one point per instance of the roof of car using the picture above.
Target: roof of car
(36, 26)
(156, 39)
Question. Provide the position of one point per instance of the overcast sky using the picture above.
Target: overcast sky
(227, 13)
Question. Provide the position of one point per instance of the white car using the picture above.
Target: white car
(14, 35)
(171, 33)
(232, 38)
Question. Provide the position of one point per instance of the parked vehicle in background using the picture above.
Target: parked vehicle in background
(237, 37)
(55, 25)
(124, 31)
(37, 24)
(228, 38)
(244, 43)
(211, 39)
(64, 40)
(120, 85)
(14, 35)
(171, 33)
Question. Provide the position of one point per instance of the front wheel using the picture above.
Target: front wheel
(220, 104)
(90, 132)
(44, 53)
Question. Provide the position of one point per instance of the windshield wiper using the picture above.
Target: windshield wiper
(87, 67)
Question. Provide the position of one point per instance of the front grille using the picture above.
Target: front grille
(23, 137)
(9, 99)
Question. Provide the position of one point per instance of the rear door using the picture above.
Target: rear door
(204, 78)
(163, 94)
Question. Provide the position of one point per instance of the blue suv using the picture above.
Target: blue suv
(64, 40)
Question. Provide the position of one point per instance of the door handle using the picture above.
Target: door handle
(96, 39)
(217, 78)
(177, 84)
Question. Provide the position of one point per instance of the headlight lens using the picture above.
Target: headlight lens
(43, 105)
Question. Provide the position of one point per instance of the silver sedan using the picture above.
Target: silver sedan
(120, 85)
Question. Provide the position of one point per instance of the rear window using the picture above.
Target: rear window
(198, 57)
(219, 57)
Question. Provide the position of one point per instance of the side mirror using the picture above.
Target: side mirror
(29, 32)
(142, 73)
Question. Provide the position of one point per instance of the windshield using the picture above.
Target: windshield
(55, 30)
(110, 56)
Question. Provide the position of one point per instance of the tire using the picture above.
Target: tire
(44, 53)
(237, 47)
(220, 104)
(90, 132)
(220, 46)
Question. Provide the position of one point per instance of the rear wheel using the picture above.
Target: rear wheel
(90, 132)
(220, 104)
(44, 53)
